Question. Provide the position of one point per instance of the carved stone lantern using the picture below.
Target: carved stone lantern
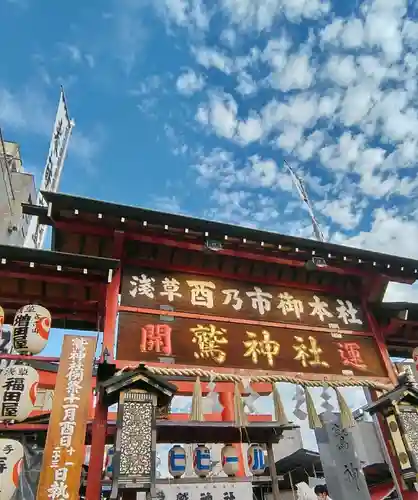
(140, 395)
(399, 410)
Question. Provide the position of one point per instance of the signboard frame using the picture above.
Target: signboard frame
(185, 341)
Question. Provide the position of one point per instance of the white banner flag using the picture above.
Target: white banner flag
(50, 180)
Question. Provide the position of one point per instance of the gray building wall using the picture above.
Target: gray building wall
(16, 187)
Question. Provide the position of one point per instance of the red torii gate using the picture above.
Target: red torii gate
(120, 235)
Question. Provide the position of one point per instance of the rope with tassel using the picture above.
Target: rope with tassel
(347, 419)
(230, 377)
(241, 419)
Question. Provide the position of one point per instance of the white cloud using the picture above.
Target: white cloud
(297, 74)
(169, 204)
(190, 82)
(342, 211)
(191, 14)
(352, 34)
(211, 58)
(246, 85)
(341, 70)
(222, 115)
(261, 14)
(129, 33)
(388, 232)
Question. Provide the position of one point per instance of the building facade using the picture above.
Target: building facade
(16, 187)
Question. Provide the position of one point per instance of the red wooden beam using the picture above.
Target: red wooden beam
(23, 427)
(72, 227)
(64, 279)
(64, 303)
(242, 254)
(21, 357)
(211, 417)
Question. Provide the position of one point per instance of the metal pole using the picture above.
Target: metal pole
(273, 472)
(292, 485)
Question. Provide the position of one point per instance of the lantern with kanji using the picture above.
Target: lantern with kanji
(201, 460)
(11, 459)
(18, 385)
(177, 461)
(31, 327)
(399, 409)
(230, 460)
(256, 460)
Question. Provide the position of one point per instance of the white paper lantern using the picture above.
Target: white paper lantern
(11, 460)
(230, 460)
(31, 327)
(177, 461)
(1, 318)
(415, 355)
(256, 460)
(18, 385)
(201, 460)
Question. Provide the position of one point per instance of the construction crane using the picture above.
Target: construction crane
(300, 186)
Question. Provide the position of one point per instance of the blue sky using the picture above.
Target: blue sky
(192, 106)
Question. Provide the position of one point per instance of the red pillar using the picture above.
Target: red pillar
(407, 495)
(228, 415)
(98, 443)
(99, 426)
(109, 329)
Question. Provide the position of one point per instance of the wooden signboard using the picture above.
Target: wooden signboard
(182, 292)
(64, 448)
(154, 338)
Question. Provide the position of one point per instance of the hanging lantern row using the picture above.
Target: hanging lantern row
(202, 463)
(11, 460)
(30, 329)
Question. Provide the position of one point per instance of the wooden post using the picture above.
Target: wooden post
(226, 399)
(97, 450)
(273, 472)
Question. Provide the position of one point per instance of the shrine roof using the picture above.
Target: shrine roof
(111, 216)
(399, 324)
(70, 286)
(401, 310)
(302, 458)
(52, 258)
(406, 391)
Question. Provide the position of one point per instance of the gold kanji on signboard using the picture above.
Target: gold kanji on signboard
(209, 340)
(263, 346)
